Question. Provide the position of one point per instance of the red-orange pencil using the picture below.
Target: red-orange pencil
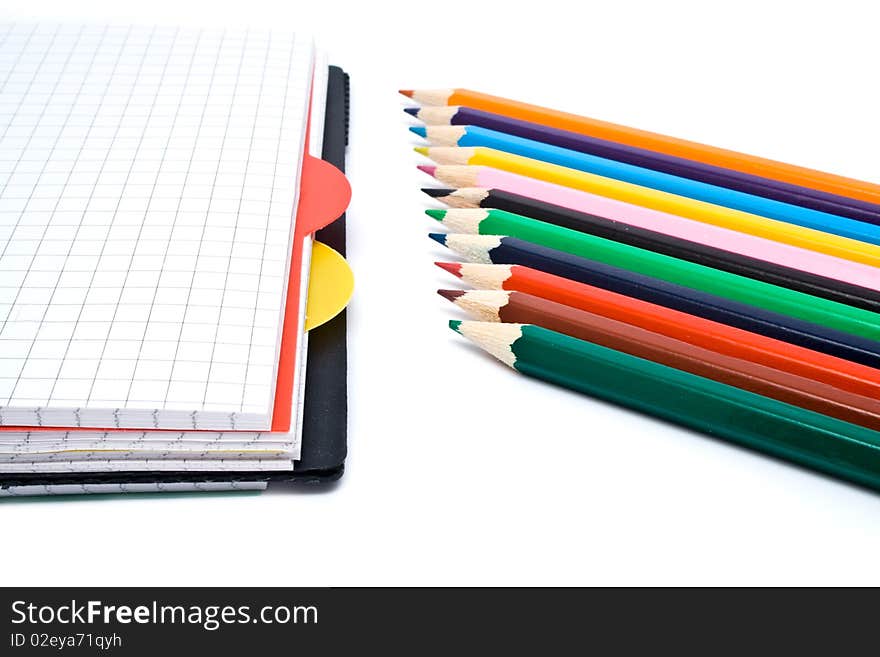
(704, 333)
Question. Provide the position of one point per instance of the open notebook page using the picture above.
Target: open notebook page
(45, 450)
(148, 179)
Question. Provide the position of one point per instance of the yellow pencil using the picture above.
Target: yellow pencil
(744, 222)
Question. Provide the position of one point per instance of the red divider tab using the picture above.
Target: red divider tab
(323, 196)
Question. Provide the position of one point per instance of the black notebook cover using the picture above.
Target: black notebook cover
(325, 415)
(326, 396)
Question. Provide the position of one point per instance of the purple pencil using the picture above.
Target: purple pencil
(744, 182)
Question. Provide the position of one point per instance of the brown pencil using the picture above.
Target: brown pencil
(517, 307)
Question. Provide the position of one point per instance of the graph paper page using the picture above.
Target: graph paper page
(148, 179)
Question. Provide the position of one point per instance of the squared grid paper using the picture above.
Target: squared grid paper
(153, 465)
(147, 182)
(155, 487)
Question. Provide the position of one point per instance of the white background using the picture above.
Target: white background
(440, 487)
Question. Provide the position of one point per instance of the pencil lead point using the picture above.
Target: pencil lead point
(427, 168)
(421, 150)
(420, 130)
(453, 268)
(438, 237)
(450, 295)
(412, 111)
(454, 324)
(436, 214)
(437, 192)
(406, 92)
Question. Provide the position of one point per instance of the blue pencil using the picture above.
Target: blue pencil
(473, 136)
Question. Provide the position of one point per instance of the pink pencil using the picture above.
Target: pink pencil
(669, 224)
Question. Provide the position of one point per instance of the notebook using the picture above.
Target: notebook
(168, 312)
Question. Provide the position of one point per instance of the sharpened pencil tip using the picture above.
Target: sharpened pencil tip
(406, 92)
(438, 237)
(436, 214)
(421, 131)
(427, 168)
(421, 150)
(454, 324)
(437, 192)
(453, 268)
(412, 111)
(450, 295)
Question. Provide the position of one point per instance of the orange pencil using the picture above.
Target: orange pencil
(751, 164)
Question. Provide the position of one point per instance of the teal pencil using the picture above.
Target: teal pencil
(810, 439)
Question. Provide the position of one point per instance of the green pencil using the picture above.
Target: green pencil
(807, 307)
(824, 443)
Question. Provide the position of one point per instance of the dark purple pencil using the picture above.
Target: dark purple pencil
(744, 182)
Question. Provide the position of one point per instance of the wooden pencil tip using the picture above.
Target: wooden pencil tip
(454, 324)
(412, 111)
(427, 168)
(406, 92)
(438, 237)
(421, 131)
(437, 192)
(450, 295)
(453, 268)
(421, 150)
(436, 214)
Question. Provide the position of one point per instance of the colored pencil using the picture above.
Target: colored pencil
(820, 286)
(471, 145)
(799, 435)
(817, 252)
(752, 164)
(744, 182)
(489, 249)
(520, 308)
(647, 261)
(780, 231)
(734, 342)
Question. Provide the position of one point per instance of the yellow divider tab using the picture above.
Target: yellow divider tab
(331, 283)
